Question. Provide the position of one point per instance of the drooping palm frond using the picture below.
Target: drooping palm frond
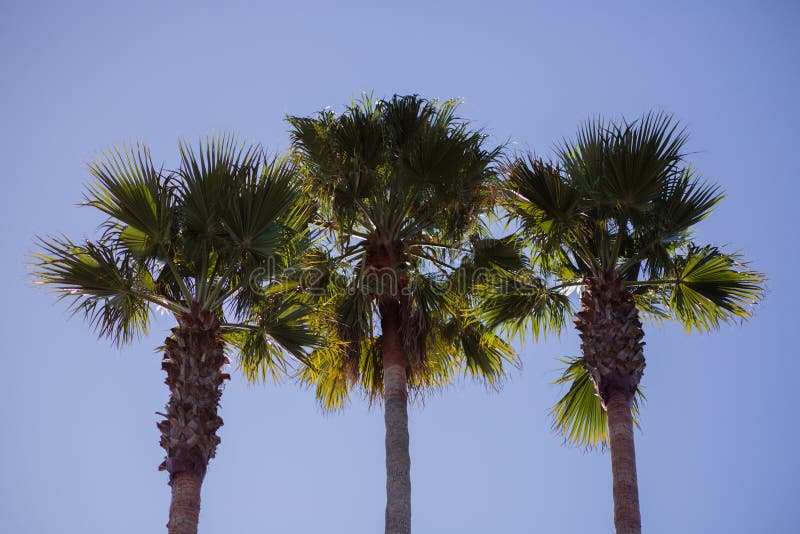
(523, 304)
(486, 356)
(279, 326)
(579, 416)
(326, 374)
(444, 340)
(422, 302)
(453, 350)
(490, 254)
(112, 290)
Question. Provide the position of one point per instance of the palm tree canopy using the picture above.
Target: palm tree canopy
(399, 169)
(400, 184)
(218, 232)
(622, 198)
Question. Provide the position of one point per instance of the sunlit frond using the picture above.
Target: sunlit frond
(712, 287)
(579, 416)
(325, 373)
(280, 326)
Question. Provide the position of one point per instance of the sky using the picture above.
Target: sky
(79, 446)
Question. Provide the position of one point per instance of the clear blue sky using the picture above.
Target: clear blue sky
(79, 445)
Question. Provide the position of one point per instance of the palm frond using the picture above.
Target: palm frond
(399, 183)
(210, 177)
(523, 304)
(279, 327)
(579, 416)
(624, 164)
(111, 290)
(137, 198)
(198, 234)
(712, 287)
(266, 211)
(540, 197)
(325, 372)
(486, 355)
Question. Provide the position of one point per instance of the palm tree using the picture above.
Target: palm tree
(209, 243)
(613, 218)
(400, 183)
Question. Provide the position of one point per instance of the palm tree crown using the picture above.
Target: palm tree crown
(400, 183)
(210, 233)
(621, 203)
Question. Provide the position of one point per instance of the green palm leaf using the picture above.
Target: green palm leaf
(523, 303)
(579, 415)
(712, 287)
(111, 290)
(137, 198)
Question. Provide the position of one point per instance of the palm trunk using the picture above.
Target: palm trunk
(612, 344)
(184, 510)
(193, 359)
(398, 459)
(627, 519)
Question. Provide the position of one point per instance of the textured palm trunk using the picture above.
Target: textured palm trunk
(627, 519)
(611, 341)
(398, 459)
(193, 360)
(184, 510)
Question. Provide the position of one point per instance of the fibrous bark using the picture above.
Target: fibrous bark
(611, 335)
(193, 360)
